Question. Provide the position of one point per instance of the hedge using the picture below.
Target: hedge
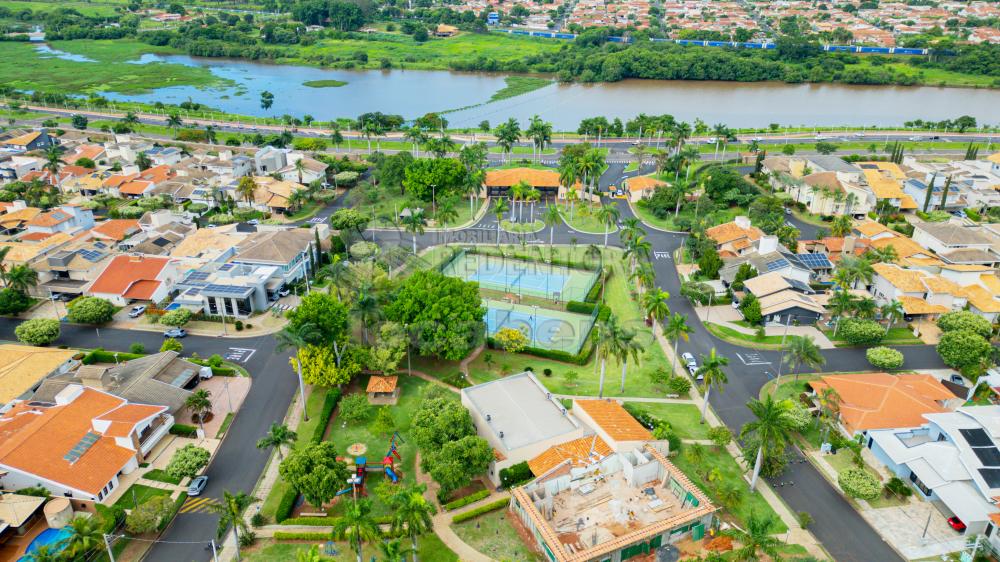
(464, 501)
(515, 475)
(329, 521)
(285, 505)
(101, 356)
(595, 292)
(302, 536)
(580, 358)
(472, 513)
(329, 405)
(183, 430)
(580, 307)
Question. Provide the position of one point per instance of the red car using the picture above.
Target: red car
(956, 524)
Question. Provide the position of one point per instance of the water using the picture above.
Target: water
(56, 53)
(413, 93)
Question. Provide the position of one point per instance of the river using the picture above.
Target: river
(414, 92)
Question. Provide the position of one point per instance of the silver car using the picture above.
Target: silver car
(197, 486)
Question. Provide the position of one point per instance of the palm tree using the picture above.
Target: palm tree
(532, 196)
(626, 347)
(865, 308)
(412, 513)
(300, 167)
(552, 218)
(885, 254)
(446, 215)
(607, 215)
(21, 278)
(638, 249)
(53, 161)
(3, 268)
(130, 119)
(366, 308)
(440, 146)
(278, 436)
(769, 431)
(802, 351)
(200, 403)
(714, 376)
(540, 134)
(210, 135)
(247, 188)
(757, 539)
(841, 226)
(310, 554)
(721, 132)
(85, 536)
(230, 512)
(609, 339)
(499, 208)
(676, 329)
(856, 269)
(357, 524)
(336, 271)
(174, 122)
(394, 551)
(507, 135)
(370, 129)
(517, 192)
(654, 303)
(292, 337)
(590, 165)
(414, 223)
(417, 137)
(46, 553)
(891, 311)
(839, 304)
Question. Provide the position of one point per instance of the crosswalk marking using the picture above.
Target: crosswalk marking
(199, 505)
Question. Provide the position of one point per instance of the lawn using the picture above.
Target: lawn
(896, 336)
(429, 549)
(583, 217)
(25, 68)
(522, 227)
(385, 204)
(493, 535)
(684, 419)
(730, 474)
(137, 494)
(735, 337)
(85, 8)
(160, 475)
(670, 223)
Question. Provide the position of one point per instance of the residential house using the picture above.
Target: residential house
(160, 232)
(24, 367)
(70, 219)
(164, 155)
(784, 300)
(25, 252)
(908, 252)
(312, 170)
(885, 180)
(834, 247)
(113, 231)
(14, 167)
(735, 238)
(230, 289)
(642, 187)
(290, 251)
(135, 278)
(269, 159)
(18, 514)
(16, 217)
(270, 196)
(227, 165)
(952, 459)
(26, 142)
(957, 243)
(770, 256)
(72, 267)
(213, 244)
(92, 152)
(78, 445)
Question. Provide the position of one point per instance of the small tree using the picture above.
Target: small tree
(315, 472)
(859, 483)
(511, 340)
(176, 318)
(710, 263)
(571, 377)
(857, 331)
(37, 331)
(750, 307)
(720, 436)
(13, 301)
(188, 461)
(199, 403)
(91, 310)
(383, 424)
(354, 408)
(884, 358)
(965, 320)
(171, 344)
(137, 348)
(150, 515)
(964, 350)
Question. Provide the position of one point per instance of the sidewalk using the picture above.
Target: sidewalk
(725, 315)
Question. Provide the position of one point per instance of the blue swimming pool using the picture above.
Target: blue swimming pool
(46, 537)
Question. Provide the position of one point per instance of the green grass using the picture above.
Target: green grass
(85, 8)
(24, 68)
(429, 548)
(522, 227)
(731, 474)
(324, 83)
(390, 202)
(518, 85)
(161, 476)
(670, 222)
(142, 493)
(896, 336)
(732, 336)
(225, 425)
(492, 535)
(684, 419)
(584, 218)
(632, 166)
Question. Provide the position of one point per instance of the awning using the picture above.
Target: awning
(74, 286)
(962, 499)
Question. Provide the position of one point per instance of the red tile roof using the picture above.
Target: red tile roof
(117, 229)
(125, 271)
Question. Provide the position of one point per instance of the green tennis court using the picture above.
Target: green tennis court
(537, 279)
(545, 328)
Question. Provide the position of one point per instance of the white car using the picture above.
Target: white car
(136, 311)
(689, 360)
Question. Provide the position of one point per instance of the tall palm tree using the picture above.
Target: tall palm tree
(3, 267)
(591, 165)
(608, 339)
(626, 346)
(200, 403)
(638, 249)
(412, 513)
(856, 270)
(839, 304)
(394, 550)
(174, 123)
(552, 218)
(721, 133)
(230, 512)
(246, 188)
(336, 271)
(891, 311)
(446, 214)
(370, 129)
(46, 553)
(676, 329)
(507, 135)
(357, 524)
(517, 192)
(865, 308)
(769, 431)
(655, 305)
(21, 278)
(414, 223)
(277, 437)
(85, 537)
(885, 254)
(365, 307)
(540, 133)
(300, 167)
(53, 161)
(532, 196)
(757, 539)
(417, 137)
(130, 119)
(608, 215)
(499, 208)
(841, 226)
(714, 376)
(296, 337)
(802, 351)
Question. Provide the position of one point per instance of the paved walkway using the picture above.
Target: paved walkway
(727, 316)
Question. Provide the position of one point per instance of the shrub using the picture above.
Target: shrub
(302, 536)
(182, 430)
(515, 474)
(857, 331)
(137, 348)
(329, 405)
(963, 349)
(91, 310)
(884, 358)
(859, 483)
(239, 325)
(720, 436)
(13, 301)
(36, 491)
(965, 320)
(678, 385)
(171, 344)
(37, 331)
(897, 487)
(580, 307)
(285, 505)
(258, 519)
(471, 498)
(176, 318)
(799, 417)
(150, 515)
(493, 506)
(188, 461)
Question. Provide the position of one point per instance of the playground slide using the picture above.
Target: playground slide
(342, 492)
(392, 475)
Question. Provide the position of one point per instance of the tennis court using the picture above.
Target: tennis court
(545, 328)
(537, 279)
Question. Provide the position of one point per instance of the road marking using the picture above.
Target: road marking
(199, 505)
(317, 220)
(753, 358)
(241, 354)
(661, 255)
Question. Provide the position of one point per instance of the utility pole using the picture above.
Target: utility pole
(107, 545)
(215, 554)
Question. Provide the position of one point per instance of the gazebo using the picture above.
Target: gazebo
(382, 390)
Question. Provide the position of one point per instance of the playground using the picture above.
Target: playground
(546, 328)
(363, 467)
(524, 278)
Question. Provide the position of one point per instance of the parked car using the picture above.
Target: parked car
(957, 524)
(689, 360)
(197, 486)
(55, 296)
(175, 333)
(788, 210)
(136, 311)
(253, 222)
(284, 292)
(957, 379)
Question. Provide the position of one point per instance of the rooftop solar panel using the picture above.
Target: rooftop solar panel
(197, 276)
(815, 261)
(82, 446)
(991, 476)
(989, 456)
(976, 437)
(777, 264)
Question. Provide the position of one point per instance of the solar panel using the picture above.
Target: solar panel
(92, 255)
(799, 285)
(777, 264)
(100, 245)
(198, 276)
(226, 266)
(161, 242)
(991, 476)
(976, 437)
(193, 291)
(815, 261)
(183, 378)
(82, 446)
(989, 456)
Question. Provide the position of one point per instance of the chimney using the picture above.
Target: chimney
(742, 222)
(767, 244)
(849, 245)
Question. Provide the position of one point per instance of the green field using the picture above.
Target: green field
(25, 68)
(85, 8)
(430, 549)
(493, 535)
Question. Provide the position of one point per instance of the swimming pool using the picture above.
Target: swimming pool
(51, 537)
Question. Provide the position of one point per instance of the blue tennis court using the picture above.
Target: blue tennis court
(538, 279)
(545, 328)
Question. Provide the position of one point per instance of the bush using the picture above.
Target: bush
(515, 474)
(37, 331)
(471, 498)
(188, 461)
(101, 356)
(472, 513)
(36, 491)
(176, 318)
(258, 519)
(897, 487)
(322, 536)
(580, 307)
(678, 385)
(13, 301)
(720, 436)
(286, 505)
(857, 331)
(329, 405)
(965, 320)
(91, 310)
(595, 292)
(964, 349)
(239, 325)
(182, 430)
(137, 348)
(884, 358)
(859, 483)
